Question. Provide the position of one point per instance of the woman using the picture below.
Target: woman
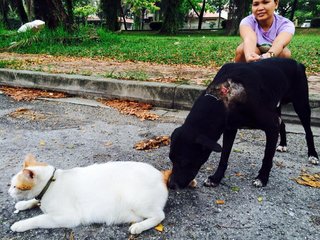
(264, 33)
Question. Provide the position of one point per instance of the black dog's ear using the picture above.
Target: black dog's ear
(175, 133)
(205, 141)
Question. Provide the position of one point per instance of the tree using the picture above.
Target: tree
(111, 11)
(70, 16)
(201, 14)
(139, 8)
(57, 15)
(294, 7)
(300, 10)
(172, 16)
(238, 9)
(18, 5)
(4, 9)
(218, 5)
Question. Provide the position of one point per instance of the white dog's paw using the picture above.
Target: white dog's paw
(136, 228)
(313, 160)
(282, 148)
(257, 183)
(22, 205)
(19, 227)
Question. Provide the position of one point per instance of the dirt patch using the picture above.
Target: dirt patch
(101, 66)
(130, 70)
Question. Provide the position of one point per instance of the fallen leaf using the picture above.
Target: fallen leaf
(153, 143)
(235, 189)
(27, 114)
(159, 227)
(279, 164)
(237, 150)
(28, 94)
(312, 180)
(42, 143)
(239, 174)
(220, 202)
(107, 144)
(260, 199)
(140, 110)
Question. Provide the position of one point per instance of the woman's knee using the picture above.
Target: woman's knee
(240, 50)
(240, 54)
(286, 53)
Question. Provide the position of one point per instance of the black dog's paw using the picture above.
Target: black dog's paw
(257, 183)
(282, 148)
(209, 183)
(313, 160)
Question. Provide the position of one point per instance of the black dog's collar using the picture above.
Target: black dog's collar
(44, 190)
(210, 95)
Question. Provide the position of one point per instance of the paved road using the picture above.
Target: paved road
(68, 135)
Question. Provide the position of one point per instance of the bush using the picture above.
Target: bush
(315, 23)
(155, 26)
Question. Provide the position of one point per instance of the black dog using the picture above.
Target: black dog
(241, 95)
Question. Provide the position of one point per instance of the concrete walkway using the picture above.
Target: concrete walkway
(164, 95)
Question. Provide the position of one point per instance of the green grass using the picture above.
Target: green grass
(131, 75)
(10, 64)
(206, 49)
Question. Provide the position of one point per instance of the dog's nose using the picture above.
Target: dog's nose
(172, 184)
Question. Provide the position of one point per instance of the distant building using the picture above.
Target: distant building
(210, 20)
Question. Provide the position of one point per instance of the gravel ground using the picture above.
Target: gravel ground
(68, 135)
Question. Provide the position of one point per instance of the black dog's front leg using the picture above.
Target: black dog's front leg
(271, 143)
(228, 139)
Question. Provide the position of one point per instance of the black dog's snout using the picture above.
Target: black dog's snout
(172, 184)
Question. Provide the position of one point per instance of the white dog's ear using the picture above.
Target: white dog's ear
(208, 143)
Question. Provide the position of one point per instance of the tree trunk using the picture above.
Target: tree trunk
(237, 11)
(18, 4)
(123, 17)
(294, 7)
(201, 14)
(52, 12)
(4, 9)
(70, 17)
(111, 9)
(171, 14)
(30, 8)
(219, 19)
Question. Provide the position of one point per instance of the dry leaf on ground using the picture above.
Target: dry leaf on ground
(239, 174)
(312, 180)
(159, 227)
(140, 110)
(260, 199)
(28, 94)
(220, 202)
(27, 114)
(153, 143)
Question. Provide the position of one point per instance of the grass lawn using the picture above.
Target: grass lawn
(206, 49)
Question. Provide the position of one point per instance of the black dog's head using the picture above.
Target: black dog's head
(192, 143)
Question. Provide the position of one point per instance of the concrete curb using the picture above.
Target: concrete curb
(159, 94)
(165, 95)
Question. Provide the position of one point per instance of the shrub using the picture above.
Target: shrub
(315, 23)
(155, 26)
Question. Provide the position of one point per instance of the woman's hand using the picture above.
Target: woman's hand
(267, 55)
(252, 57)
